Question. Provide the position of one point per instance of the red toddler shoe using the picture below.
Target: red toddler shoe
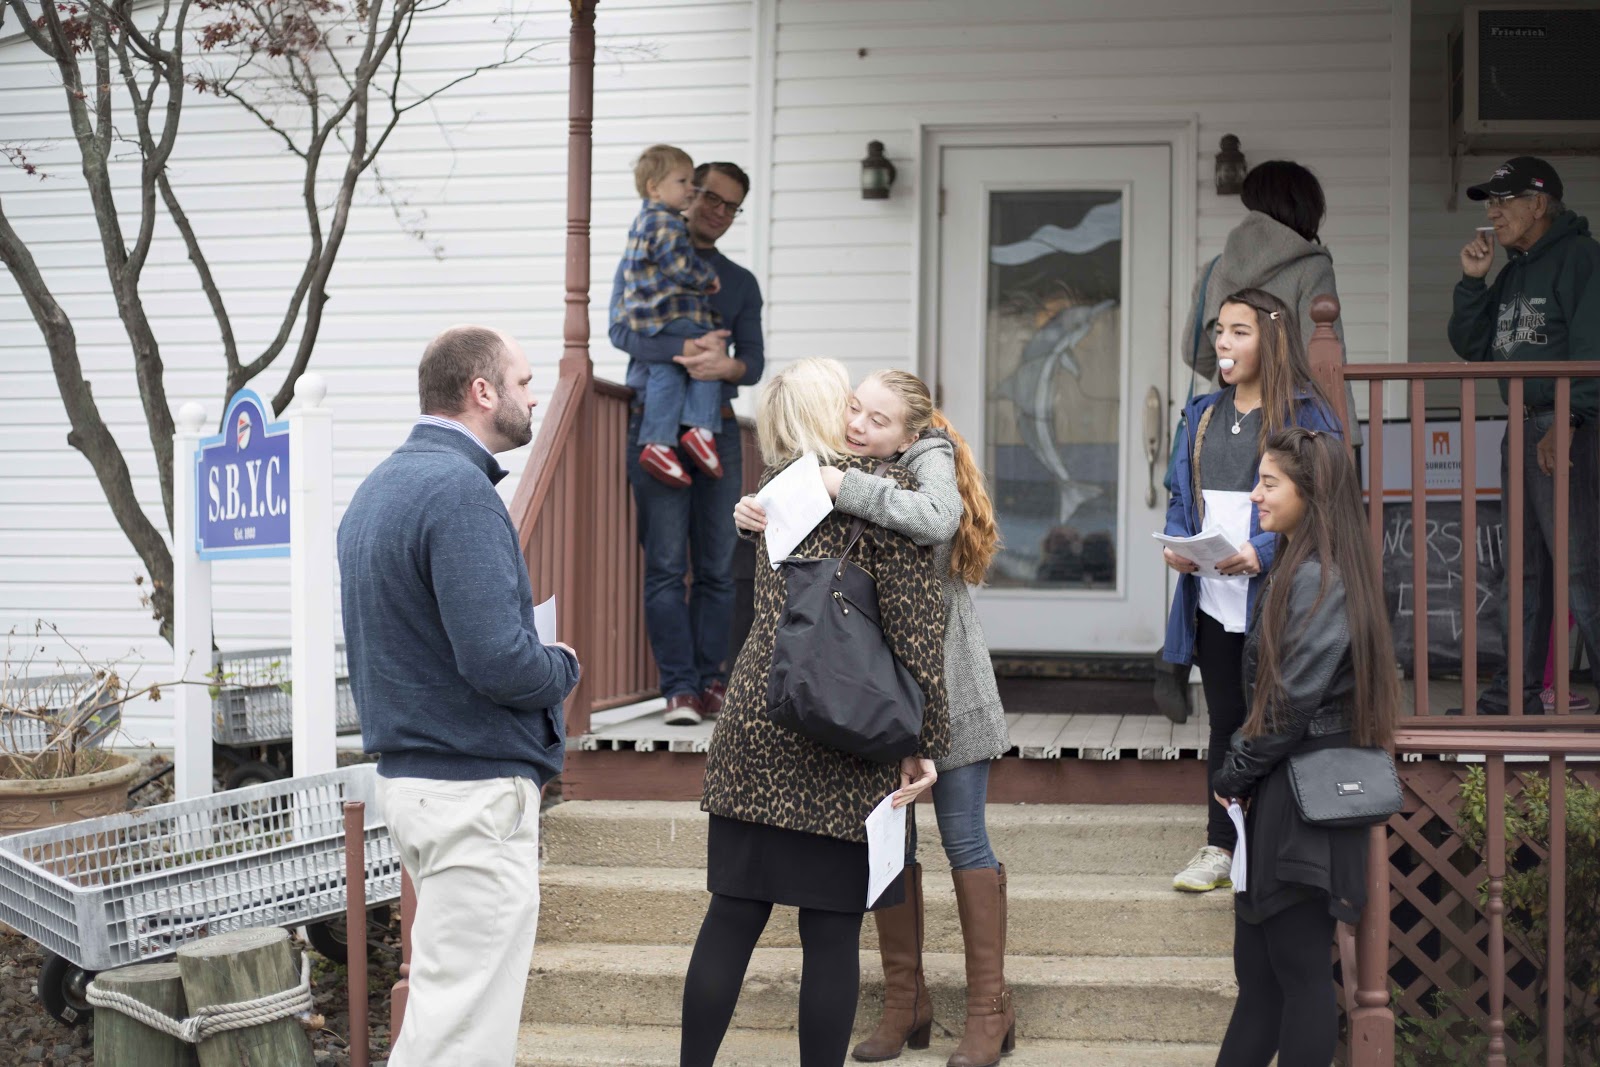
(662, 464)
(701, 447)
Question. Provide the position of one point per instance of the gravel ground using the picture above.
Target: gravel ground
(28, 1035)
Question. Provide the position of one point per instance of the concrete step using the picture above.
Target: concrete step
(1126, 839)
(1062, 998)
(1050, 914)
(648, 1046)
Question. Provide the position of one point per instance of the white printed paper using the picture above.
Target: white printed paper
(1206, 549)
(795, 502)
(1240, 864)
(544, 621)
(886, 847)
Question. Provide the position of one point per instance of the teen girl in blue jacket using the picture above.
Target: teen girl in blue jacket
(1267, 386)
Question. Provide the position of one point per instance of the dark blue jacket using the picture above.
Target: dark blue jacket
(445, 665)
(1183, 520)
(738, 302)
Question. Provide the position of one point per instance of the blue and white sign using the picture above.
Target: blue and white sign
(242, 485)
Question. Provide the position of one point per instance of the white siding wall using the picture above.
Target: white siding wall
(1298, 79)
(1437, 234)
(488, 168)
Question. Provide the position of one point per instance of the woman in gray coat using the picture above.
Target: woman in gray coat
(892, 416)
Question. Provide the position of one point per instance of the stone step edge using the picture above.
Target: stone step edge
(1031, 885)
(1203, 973)
(542, 1045)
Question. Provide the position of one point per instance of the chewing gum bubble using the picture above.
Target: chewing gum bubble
(1225, 364)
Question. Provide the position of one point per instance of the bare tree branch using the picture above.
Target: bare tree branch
(307, 71)
(39, 38)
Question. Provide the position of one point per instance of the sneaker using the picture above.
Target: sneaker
(662, 464)
(701, 446)
(1210, 869)
(712, 699)
(684, 710)
(1577, 702)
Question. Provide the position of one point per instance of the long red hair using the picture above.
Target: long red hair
(978, 539)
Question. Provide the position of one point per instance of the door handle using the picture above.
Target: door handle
(1152, 440)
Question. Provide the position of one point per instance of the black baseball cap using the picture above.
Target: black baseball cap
(1525, 174)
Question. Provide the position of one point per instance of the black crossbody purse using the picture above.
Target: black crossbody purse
(834, 678)
(1340, 787)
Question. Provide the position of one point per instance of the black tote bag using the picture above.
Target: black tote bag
(834, 678)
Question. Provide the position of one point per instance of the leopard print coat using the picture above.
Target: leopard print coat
(760, 772)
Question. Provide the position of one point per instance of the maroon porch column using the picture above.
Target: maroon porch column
(580, 167)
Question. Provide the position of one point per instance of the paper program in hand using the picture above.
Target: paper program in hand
(886, 847)
(1240, 864)
(544, 621)
(1205, 549)
(795, 502)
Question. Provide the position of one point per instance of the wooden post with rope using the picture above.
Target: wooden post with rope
(121, 1040)
(241, 966)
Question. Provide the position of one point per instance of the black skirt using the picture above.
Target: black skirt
(1291, 860)
(752, 861)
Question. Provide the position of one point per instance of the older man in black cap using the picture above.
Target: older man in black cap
(1543, 305)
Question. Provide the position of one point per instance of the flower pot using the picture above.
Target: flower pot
(34, 803)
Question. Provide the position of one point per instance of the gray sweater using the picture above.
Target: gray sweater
(930, 516)
(451, 677)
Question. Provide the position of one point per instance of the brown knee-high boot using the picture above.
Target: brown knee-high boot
(907, 1007)
(991, 1022)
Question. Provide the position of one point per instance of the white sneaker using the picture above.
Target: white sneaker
(1210, 869)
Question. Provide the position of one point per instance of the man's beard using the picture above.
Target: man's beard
(513, 422)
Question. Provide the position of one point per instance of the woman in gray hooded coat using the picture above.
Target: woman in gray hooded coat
(892, 416)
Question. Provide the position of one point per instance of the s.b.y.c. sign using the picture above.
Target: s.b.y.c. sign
(242, 484)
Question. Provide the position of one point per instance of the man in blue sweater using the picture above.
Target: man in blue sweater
(459, 697)
(682, 530)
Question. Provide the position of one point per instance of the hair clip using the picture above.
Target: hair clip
(1273, 315)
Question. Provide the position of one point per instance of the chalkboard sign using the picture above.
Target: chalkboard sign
(1447, 559)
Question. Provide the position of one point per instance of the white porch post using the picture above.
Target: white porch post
(191, 621)
(311, 577)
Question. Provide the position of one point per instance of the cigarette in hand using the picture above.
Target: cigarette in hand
(1485, 229)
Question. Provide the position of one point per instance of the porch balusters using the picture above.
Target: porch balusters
(1495, 841)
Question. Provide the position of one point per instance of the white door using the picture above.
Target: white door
(1054, 297)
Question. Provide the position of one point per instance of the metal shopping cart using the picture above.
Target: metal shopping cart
(252, 712)
(129, 888)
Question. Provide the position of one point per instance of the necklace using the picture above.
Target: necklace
(1239, 417)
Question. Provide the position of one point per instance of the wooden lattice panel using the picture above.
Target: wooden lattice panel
(1438, 939)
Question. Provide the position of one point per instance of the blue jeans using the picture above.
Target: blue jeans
(672, 399)
(680, 529)
(1538, 563)
(959, 799)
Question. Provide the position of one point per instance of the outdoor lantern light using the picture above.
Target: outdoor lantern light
(1231, 167)
(877, 173)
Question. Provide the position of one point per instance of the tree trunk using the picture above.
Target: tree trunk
(239, 966)
(122, 1041)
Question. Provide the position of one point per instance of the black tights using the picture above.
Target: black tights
(1286, 1002)
(830, 979)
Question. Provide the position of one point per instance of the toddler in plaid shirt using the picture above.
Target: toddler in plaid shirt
(665, 284)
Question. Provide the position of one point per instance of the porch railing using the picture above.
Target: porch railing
(1435, 924)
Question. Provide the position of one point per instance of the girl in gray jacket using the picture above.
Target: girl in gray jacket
(892, 416)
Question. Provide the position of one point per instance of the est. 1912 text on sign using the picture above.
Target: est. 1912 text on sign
(242, 485)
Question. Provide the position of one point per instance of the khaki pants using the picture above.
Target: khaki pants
(472, 851)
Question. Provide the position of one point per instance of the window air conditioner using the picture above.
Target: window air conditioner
(1525, 79)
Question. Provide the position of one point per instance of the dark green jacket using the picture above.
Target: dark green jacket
(1543, 305)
